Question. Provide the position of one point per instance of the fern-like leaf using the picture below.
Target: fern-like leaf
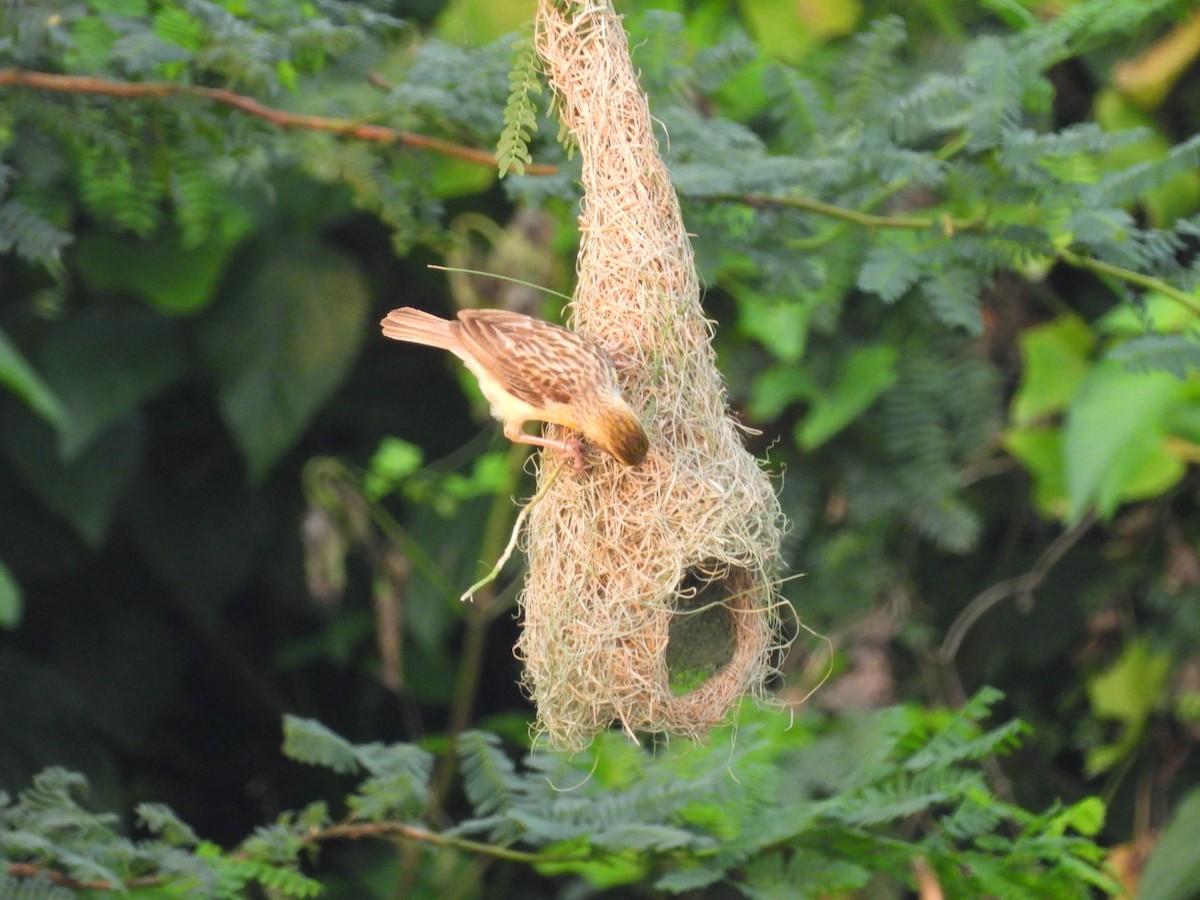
(399, 786)
(491, 783)
(116, 186)
(1129, 184)
(996, 77)
(891, 267)
(162, 821)
(520, 115)
(33, 238)
(953, 295)
(800, 113)
(39, 887)
(1023, 147)
(868, 75)
(1178, 354)
(938, 104)
(308, 741)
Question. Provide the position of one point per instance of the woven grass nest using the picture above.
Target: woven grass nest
(650, 598)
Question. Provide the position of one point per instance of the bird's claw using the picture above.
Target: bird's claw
(575, 449)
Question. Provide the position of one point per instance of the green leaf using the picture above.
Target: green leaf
(399, 786)
(281, 344)
(1114, 427)
(865, 375)
(1156, 313)
(1160, 470)
(953, 295)
(10, 599)
(135, 9)
(646, 837)
(393, 462)
(20, 377)
(1129, 689)
(1177, 354)
(105, 364)
(308, 741)
(1144, 169)
(1055, 359)
(175, 279)
(781, 327)
(86, 490)
(775, 25)
(1127, 692)
(1085, 817)
(690, 878)
(179, 27)
(474, 22)
(1173, 872)
(163, 822)
(892, 266)
(490, 779)
(603, 871)
(28, 233)
(1183, 419)
(1039, 450)
(91, 43)
(777, 388)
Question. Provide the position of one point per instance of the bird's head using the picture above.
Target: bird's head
(615, 429)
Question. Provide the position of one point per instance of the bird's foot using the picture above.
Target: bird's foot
(570, 446)
(574, 449)
(570, 453)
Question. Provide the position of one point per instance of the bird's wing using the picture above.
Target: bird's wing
(536, 361)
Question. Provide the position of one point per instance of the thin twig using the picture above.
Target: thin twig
(1149, 282)
(362, 131)
(33, 870)
(951, 226)
(1020, 586)
(315, 835)
(866, 220)
(355, 831)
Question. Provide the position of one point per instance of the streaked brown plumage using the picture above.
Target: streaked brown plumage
(529, 369)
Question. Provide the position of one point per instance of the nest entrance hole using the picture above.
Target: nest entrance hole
(702, 635)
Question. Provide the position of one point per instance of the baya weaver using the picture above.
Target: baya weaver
(529, 369)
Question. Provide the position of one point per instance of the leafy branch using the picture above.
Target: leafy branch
(28, 871)
(363, 830)
(361, 131)
(949, 226)
(631, 815)
(1129, 276)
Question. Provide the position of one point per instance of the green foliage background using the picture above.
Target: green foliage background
(951, 253)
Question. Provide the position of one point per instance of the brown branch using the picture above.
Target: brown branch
(356, 830)
(1021, 587)
(32, 870)
(361, 131)
(316, 835)
(754, 200)
(949, 226)
(1149, 282)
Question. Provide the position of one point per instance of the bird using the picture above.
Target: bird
(532, 370)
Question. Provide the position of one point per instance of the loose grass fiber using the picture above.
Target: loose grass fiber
(650, 599)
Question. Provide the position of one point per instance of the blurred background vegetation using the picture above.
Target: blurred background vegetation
(950, 250)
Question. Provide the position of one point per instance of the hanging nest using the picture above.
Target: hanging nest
(650, 598)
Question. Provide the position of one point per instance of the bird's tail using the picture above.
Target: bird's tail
(408, 324)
